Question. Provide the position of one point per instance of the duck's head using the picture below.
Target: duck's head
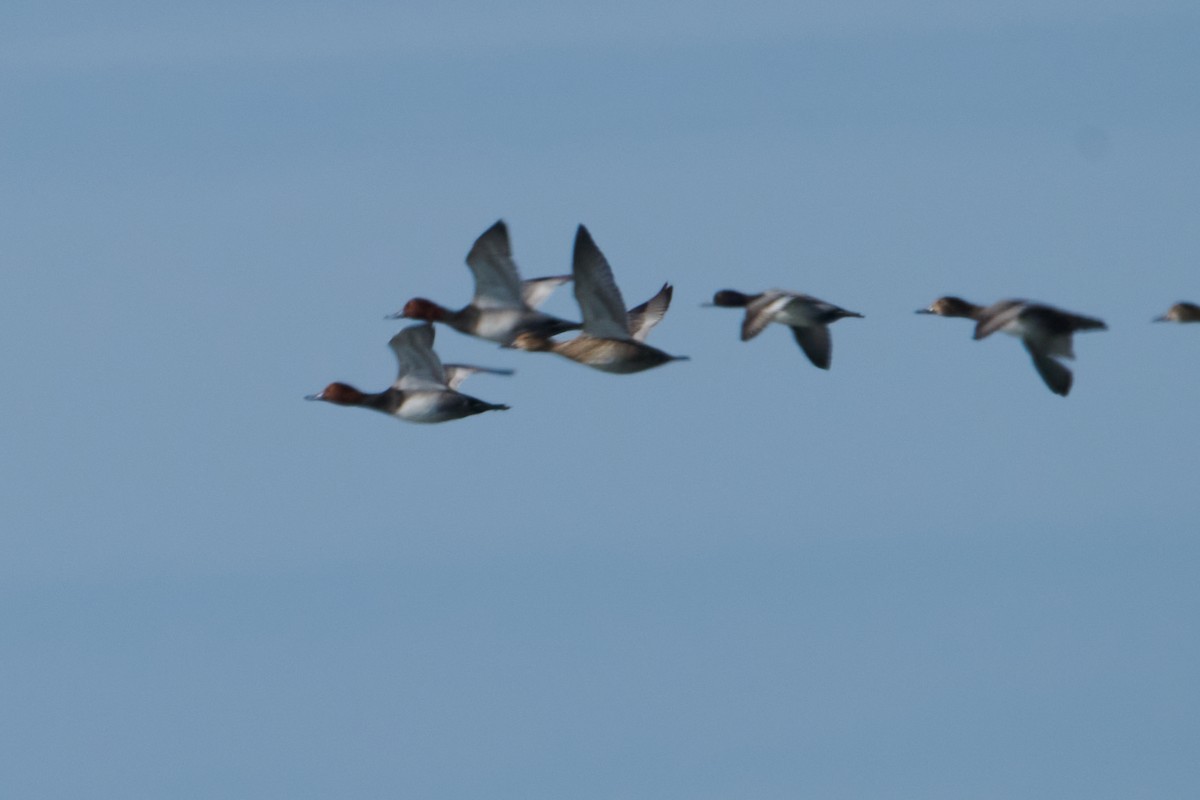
(342, 394)
(420, 308)
(1181, 312)
(731, 298)
(950, 307)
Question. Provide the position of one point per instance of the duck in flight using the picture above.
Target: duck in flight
(613, 339)
(503, 306)
(808, 317)
(425, 390)
(1181, 312)
(1045, 331)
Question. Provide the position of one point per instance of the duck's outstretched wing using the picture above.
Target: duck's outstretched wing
(997, 316)
(497, 282)
(1056, 376)
(596, 291)
(419, 366)
(535, 290)
(457, 373)
(644, 317)
(816, 343)
(761, 310)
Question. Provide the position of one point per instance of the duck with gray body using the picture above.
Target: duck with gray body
(1045, 331)
(808, 317)
(424, 391)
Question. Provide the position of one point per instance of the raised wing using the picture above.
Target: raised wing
(420, 368)
(457, 373)
(596, 291)
(644, 317)
(497, 283)
(535, 290)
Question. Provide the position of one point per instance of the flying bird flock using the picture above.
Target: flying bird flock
(504, 310)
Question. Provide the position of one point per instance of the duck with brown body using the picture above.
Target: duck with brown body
(613, 338)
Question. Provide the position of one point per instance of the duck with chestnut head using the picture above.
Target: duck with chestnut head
(425, 390)
(503, 305)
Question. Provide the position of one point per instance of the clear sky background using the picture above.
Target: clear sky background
(919, 574)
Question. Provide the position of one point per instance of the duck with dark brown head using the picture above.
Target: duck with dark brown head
(808, 318)
(1045, 331)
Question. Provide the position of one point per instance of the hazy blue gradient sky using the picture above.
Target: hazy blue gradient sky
(917, 575)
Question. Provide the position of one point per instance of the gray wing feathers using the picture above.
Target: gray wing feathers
(535, 290)
(420, 368)
(644, 317)
(457, 373)
(497, 282)
(760, 312)
(596, 291)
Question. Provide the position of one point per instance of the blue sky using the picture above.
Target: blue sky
(917, 575)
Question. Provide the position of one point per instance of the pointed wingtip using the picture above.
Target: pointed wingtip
(584, 251)
(494, 238)
(583, 239)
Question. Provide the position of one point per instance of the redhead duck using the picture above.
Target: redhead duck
(808, 317)
(613, 338)
(1044, 330)
(424, 390)
(503, 305)
(1181, 312)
